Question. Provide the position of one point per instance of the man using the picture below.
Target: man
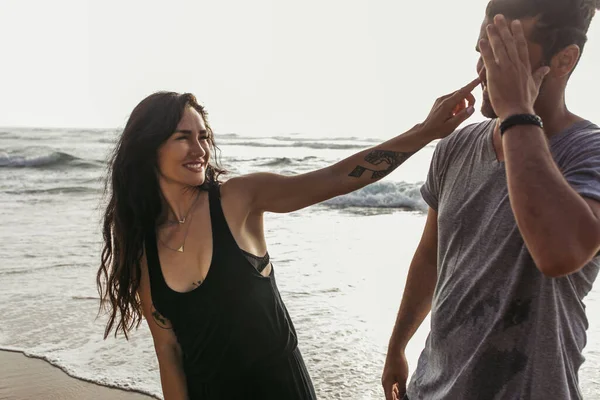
(508, 250)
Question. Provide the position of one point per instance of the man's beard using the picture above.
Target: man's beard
(487, 110)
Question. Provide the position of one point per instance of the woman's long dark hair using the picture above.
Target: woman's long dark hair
(135, 202)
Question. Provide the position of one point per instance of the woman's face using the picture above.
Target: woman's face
(184, 157)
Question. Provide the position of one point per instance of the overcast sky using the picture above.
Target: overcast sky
(316, 67)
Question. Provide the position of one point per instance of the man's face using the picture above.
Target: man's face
(536, 57)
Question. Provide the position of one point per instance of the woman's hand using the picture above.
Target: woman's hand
(449, 112)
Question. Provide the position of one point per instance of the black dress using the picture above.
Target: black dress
(237, 338)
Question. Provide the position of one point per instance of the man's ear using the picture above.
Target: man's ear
(563, 63)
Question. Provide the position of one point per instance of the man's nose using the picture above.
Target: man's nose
(481, 70)
(480, 65)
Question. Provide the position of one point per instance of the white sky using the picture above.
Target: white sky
(262, 67)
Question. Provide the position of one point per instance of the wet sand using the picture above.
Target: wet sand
(24, 378)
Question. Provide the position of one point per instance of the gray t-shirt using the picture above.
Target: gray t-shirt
(500, 329)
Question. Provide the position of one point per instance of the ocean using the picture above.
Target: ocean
(341, 266)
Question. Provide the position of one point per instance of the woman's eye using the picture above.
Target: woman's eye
(181, 138)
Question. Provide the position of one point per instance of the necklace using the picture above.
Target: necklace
(182, 221)
(181, 248)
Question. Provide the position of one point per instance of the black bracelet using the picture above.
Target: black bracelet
(520, 119)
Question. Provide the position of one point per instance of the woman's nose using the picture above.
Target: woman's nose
(198, 149)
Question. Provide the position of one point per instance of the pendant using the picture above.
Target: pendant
(182, 221)
(180, 250)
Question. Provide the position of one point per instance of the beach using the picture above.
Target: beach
(340, 266)
(30, 378)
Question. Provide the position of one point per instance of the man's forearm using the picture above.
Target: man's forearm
(557, 225)
(416, 300)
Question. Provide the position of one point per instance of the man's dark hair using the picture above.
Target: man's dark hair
(561, 23)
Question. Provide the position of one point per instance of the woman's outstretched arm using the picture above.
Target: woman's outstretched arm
(281, 194)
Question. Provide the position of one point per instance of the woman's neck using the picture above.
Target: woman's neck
(178, 201)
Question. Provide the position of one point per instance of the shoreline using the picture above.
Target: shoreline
(25, 377)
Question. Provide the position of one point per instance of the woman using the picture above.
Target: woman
(188, 252)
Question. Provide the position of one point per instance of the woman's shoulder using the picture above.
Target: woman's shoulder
(236, 194)
(238, 187)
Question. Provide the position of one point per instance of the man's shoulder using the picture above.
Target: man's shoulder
(467, 134)
(589, 130)
(583, 135)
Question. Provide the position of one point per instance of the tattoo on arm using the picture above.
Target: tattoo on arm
(358, 171)
(160, 320)
(393, 160)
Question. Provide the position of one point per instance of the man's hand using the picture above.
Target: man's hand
(395, 375)
(513, 87)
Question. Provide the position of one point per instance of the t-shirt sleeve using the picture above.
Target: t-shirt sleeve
(582, 168)
(430, 191)
(443, 157)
